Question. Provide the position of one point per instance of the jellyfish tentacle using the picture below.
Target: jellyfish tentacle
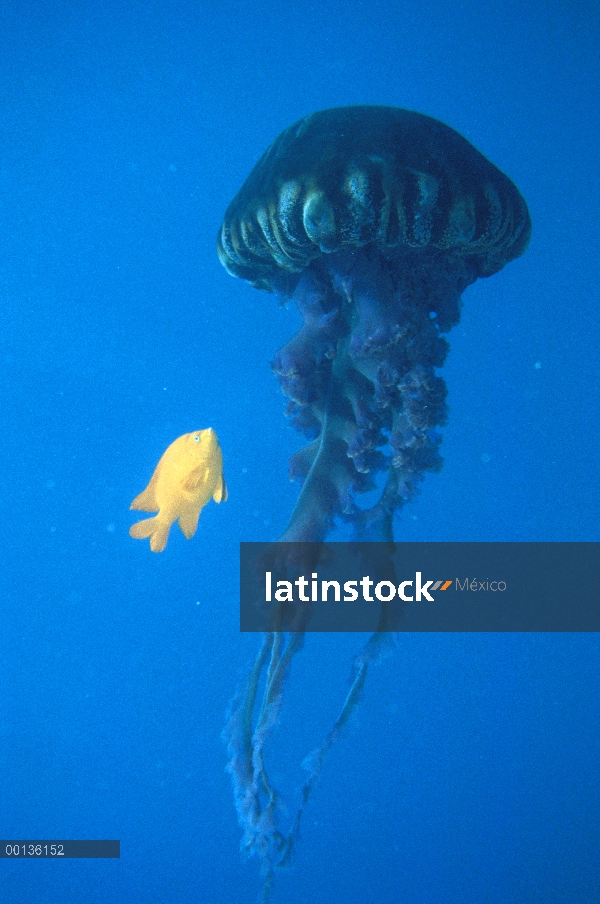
(278, 669)
(313, 763)
(237, 735)
(269, 713)
(259, 806)
(379, 645)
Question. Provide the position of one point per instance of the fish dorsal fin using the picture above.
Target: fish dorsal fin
(146, 501)
(220, 494)
(195, 478)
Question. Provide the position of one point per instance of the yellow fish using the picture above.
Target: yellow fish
(188, 474)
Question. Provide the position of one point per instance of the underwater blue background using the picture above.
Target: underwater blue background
(471, 771)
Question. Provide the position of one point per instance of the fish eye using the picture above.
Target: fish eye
(196, 438)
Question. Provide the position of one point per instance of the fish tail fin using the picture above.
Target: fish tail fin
(154, 528)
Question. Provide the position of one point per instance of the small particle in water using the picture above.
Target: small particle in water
(485, 458)
(244, 470)
(110, 528)
(538, 365)
(50, 484)
(172, 168)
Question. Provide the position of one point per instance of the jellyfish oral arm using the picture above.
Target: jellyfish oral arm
(360, 376)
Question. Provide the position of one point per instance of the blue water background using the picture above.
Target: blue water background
(471, 771)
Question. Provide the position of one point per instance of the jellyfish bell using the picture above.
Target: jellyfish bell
(373, 220)
(361, 176)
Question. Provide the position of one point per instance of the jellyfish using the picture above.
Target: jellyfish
(373, 221)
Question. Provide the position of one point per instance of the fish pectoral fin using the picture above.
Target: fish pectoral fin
(188, 522)
(221, 494)
(195, 478)
(154, 528)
